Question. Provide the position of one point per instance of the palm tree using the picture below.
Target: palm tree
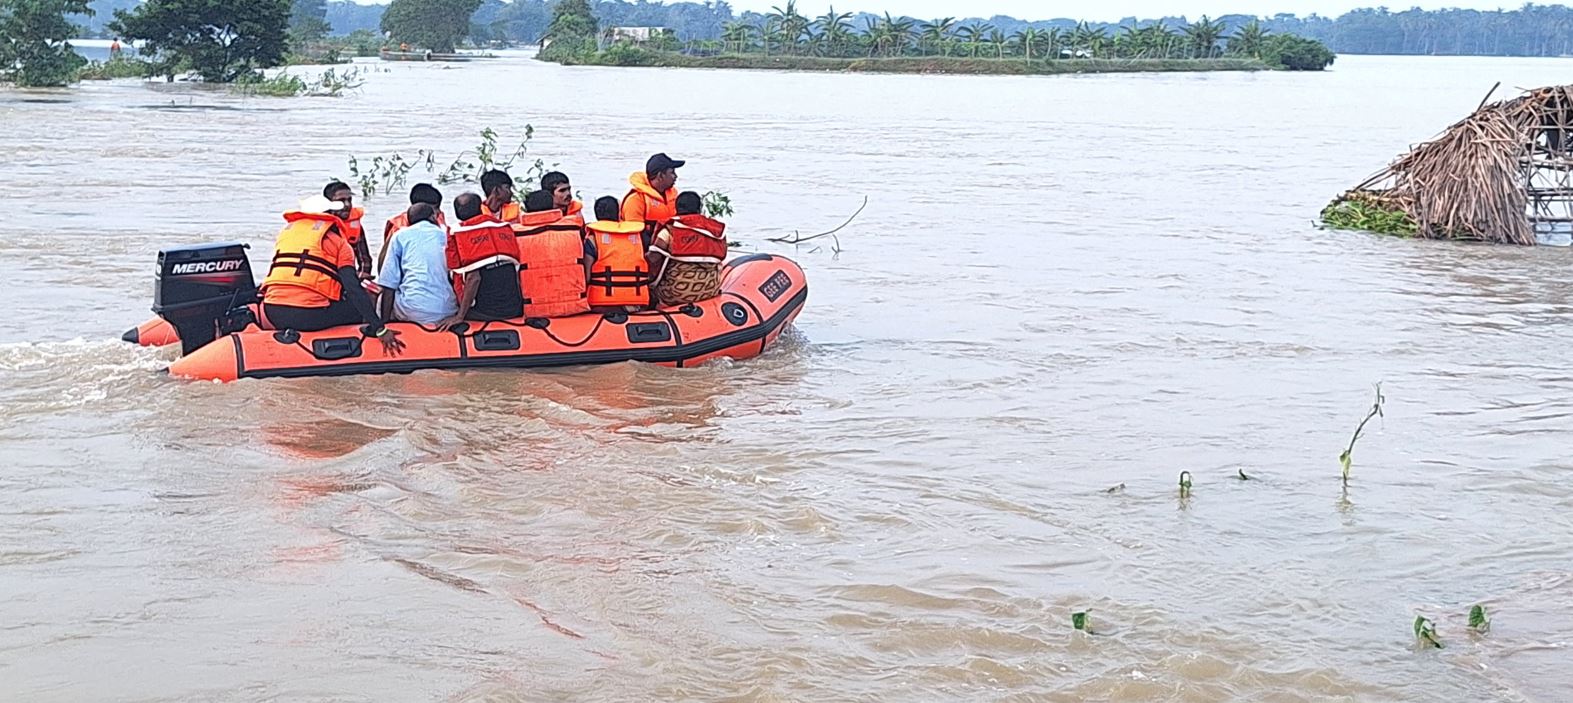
(936, 33)
(792, 25)
(738, 35)
(1080, 39)
(1204, 36)
(997, 38)
(1129, 41)
(769, 32)
(973, 35)
(1098, 42)
(1053, 39)
(834, 27)
(1249, 39)
(1024, 40)
(899, 33)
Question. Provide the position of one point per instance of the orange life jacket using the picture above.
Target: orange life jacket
(299, 258)
(353, 230)
(644, 204)
(576, 208)
(620, 276)
(551, 264)
(510, 212)
(696, 239)
(477, 243)
(402, 220)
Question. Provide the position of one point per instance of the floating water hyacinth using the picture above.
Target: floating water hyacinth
(1079, 621)
(1425, 632)
(1347, 458)
(1478, 621)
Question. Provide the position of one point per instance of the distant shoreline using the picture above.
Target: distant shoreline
(915, 65)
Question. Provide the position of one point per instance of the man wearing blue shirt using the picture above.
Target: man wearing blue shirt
(414, 279)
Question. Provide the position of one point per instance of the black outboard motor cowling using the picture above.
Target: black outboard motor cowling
(203, 290)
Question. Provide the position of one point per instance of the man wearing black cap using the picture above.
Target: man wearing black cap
(653, 198)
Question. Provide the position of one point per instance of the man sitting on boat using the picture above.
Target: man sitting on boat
(687, 254)
(312, 283)
(554, 259)
(354, 231)
(414, 280)
(421, 193)
(497, 187)
(620, 277)
(653, 194)
(484, 260)
(556, 183)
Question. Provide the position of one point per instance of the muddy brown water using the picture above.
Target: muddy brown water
(1060, 284)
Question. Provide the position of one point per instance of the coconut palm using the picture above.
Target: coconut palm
(1053, 40)
(737, 36)
(1129, 41)
(792, 25)
(998, 40)
(1024, 40)
(769, 32)
(899, 33)
(974, 34)
(1249, 40)
(937, 33)
(1080, 39)
(1204, 35)
(835, 28)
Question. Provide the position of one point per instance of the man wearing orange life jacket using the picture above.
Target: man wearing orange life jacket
(497, 188)
(653, 197)
(421, 193)
(554, 259)
(556, 183)
(483, 258)
(687, 254)
(620, 276)
(354, 230)
(312, 283)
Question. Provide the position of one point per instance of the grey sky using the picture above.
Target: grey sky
(1102, 10)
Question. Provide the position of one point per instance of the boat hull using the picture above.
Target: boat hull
(761, 295)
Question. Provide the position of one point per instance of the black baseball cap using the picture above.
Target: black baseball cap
(661, 162)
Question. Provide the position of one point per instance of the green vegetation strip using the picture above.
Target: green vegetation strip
(625, 55)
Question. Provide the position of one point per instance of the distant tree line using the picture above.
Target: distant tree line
(1531, 30)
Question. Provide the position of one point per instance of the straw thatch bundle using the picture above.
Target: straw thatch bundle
(1500, 175)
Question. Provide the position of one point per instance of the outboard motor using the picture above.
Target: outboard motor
(203, 290)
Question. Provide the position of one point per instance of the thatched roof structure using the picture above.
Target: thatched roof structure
(1500, 175)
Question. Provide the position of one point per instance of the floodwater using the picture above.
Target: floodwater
(1060, 285)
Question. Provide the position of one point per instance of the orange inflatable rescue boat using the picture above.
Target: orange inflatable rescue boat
(205, 299)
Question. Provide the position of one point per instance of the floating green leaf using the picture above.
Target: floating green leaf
(1478, 621)
(1185, 484)
(1425, 632)
(1079, 621)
